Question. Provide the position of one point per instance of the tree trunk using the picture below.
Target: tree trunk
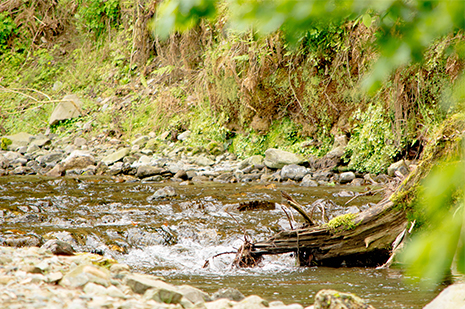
(367, 244)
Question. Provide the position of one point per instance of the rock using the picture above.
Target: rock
(79, 141)
(450, 297)
(275, 158)
(331, 299)
(181, 174)
(194, 295)
(251, 302)
(164, 192)
(346, 177)
(69, 108)
(322, 175)
(307, 181)
(39, 140)
(83, 274)
(78, 159)
(184, 135)
(18, 140)
(164, 293)
(51, 158)
(156, 178)
(204, 161)
(400, 167)
(116, 156)
(32, 148)
(141, 283)
(58, 247)
(293, 171)
(57, 171)
(147, 171)
(4, 162)
(221, 303)
(228, 293)
(141, 141)
(256, 160)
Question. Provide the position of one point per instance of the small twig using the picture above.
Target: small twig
(297, 207)
(365, 193)
(287, 215)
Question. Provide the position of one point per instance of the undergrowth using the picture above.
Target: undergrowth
(243, 91)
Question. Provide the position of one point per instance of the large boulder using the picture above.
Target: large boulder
(276, 158)
(83, 274)
(70, 107)
(451, 297)
(398, 167)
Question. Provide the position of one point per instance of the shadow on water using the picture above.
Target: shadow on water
(174, 237)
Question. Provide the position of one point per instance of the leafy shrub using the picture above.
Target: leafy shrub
(96, 15)
(7, 27)
(372, 145)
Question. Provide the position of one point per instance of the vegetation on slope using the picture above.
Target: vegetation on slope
(241, 89)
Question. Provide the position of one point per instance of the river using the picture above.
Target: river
(175, 237)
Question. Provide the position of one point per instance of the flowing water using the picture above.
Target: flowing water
(175, 237)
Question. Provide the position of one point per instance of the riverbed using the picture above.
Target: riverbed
(174, 237)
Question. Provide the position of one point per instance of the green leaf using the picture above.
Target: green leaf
(367, 20)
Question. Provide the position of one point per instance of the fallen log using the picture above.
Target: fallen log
(365, 239)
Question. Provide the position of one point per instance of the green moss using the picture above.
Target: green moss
(5, 143)
(347, 221)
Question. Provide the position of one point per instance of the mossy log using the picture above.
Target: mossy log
(366, 239)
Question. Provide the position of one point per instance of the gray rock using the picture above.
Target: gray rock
(140, 141)
(83, 274)
(39, 140)
(346, 177)
(450, 297)
(163, 293)
(322, 175)
(181, 174)
(184, 135)
(51, 158)
(194, 295)
(141, 283)
(340, 141)
(251, 302)
(58, 247)
(79, 141)
(256, 160)
(57, 171)
(147, 171)
(78, 160)
(204, 161)
(293, 171)
(331, 299)
(307, 181)
(4, 162)
(69, 108)
(228, 293)
(399, 167)
(116, 156)
(19, 140)
(275, 158)
(156, 178)
(164, 192)
(32, 148)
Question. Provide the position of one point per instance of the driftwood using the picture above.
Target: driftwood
(368, 238)
(368, 243)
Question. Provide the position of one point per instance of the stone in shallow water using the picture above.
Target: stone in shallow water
(164, 192)
(141, 283)
(228, 293)
(58, 247)
(331, 299)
